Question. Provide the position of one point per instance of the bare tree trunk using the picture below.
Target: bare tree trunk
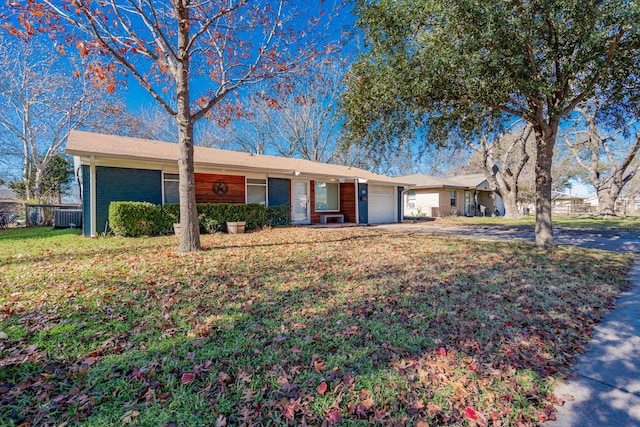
(606, 203)
(189, 227)
(37, 185)
(545, 140)
(511, 206)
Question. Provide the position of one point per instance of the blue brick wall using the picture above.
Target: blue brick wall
(118, 185)
(279, 192)
(363, 203)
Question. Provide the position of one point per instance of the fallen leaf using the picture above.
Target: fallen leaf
(129, 416)
(322, 388)
(442, 352)
(470, 413)
(318, 365)
(334, 417)
(368, 403)
(187, 378)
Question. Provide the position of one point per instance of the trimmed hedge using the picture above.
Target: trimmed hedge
(134, 219)
(214, 216)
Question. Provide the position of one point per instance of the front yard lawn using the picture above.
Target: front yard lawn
(292, 326)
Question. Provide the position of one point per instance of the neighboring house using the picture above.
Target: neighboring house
(567, 204)
(9, 203)
(624, 204)
(467, 195)
(114, 168)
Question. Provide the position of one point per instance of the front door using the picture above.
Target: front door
(469, 205)
(300, 201)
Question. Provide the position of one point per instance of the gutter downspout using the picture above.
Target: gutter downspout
(93, 202)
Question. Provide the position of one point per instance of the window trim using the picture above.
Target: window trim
(411, 198)
(315, 196)
(164, 188)
(254, 184)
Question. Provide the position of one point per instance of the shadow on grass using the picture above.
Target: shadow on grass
(359, 313)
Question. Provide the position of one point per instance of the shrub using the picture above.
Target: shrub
(278, 215)
(213, 217)
(134, 219)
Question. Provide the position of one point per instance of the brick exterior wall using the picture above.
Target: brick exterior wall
(121, 185)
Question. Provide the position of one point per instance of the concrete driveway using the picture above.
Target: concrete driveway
(607, 391)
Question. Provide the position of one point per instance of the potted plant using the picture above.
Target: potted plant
(235, 227)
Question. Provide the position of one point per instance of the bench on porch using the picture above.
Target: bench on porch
(339, 218)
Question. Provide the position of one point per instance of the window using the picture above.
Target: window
(453, 199)
(411, 199)
(327, 196)
(171, 188)
(257, 191)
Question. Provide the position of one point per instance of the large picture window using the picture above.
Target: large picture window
(171, 188)
(327, 196)
(257, 191)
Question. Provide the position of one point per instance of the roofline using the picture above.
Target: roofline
(89, 154)
(438, 186)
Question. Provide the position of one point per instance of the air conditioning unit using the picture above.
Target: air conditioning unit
(67, 218)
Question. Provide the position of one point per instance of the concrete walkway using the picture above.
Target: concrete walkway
(607, 391)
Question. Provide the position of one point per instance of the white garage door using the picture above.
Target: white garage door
(381, 204)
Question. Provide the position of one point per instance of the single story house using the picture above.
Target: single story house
(466, 195)
(567, 204)
(9, 203)
(114, 168)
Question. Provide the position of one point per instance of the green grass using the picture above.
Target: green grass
(629, 223)
(402, 329)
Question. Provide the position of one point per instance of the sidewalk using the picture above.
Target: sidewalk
(607, 392)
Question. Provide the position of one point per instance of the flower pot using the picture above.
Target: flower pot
(236, 227)
(176, 228)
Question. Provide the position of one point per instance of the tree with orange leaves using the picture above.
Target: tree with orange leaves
(188, 55)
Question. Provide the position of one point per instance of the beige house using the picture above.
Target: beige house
(567, 204)
(466, 195)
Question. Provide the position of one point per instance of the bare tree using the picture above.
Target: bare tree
(188, 55)
(302, 123)
(43, 100)
(607, 158)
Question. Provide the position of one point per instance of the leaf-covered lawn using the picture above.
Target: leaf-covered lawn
(292, 326)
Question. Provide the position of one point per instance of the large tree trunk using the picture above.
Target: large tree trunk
(545, 141)
(606, 203)
(189, 227)
(511, 205)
